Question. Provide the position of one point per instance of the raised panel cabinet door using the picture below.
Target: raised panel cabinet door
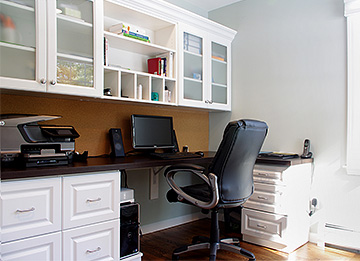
(90, 198)
(93, 242)
(30, 207)
(23, 45)
(44, 248)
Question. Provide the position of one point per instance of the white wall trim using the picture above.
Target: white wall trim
(353, 59)
(171, 223)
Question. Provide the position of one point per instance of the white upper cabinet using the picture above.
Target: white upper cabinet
(204, 69)
(102, 48)
(51, 46)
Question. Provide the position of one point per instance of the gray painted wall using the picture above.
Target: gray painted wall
(289, 69)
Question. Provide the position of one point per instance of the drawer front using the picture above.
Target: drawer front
(45, 248)
(30, 207)
(263, 225)
(267, 197)
(271, 177)
(92, 242)
(90, 198)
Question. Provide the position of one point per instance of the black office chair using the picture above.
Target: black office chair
(228, 183)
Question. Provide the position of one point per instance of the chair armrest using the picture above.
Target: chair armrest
(210, 179)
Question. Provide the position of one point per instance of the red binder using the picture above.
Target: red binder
(154, 66)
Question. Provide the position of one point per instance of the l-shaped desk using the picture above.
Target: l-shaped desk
(125, 163)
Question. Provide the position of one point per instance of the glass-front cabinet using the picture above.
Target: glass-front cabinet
(51, 46)
(204, 70)
(23, 45)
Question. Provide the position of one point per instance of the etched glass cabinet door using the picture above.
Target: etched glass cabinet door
(23, 45)
(220, 93)
(191, 69)
(75, 47)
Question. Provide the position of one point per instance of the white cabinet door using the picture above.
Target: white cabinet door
(30, 207)
(23, 45)
(192, 67)
(41, 248)
(204, 69)
(75, 47)
(90, 198)
(93, 242)
(220, 74)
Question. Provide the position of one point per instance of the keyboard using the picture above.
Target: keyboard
(175, 155)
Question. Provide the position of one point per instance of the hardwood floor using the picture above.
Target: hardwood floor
(159, 246)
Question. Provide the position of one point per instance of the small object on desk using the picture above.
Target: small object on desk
(185, 148)
(200, 153)
(278, 155)
(306, 152)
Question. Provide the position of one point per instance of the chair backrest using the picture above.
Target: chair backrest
(235, 159)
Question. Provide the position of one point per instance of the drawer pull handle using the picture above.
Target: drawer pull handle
(263, 198)
(25, 211)
(263, 174)
(93, 200)
(261, 226)
(93, 251)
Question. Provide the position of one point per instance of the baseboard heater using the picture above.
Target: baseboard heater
(342, 238)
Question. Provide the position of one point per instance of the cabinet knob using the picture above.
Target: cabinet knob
(42, 81)
(52, 82)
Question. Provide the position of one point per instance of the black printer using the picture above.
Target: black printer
(24, 141)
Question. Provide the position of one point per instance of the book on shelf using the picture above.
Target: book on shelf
(218, 58)
(168, 60)
(154, 65)
(106, 52)
(129, 31)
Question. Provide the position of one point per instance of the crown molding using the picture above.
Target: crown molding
(175, 14)
(351, 7)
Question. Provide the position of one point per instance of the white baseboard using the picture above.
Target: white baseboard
(342, 237)
(171, 223)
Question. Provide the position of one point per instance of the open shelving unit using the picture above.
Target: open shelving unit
(127, 57)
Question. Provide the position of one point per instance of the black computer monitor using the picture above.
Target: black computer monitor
(152, 132)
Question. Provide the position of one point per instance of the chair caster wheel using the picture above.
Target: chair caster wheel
(175, 257)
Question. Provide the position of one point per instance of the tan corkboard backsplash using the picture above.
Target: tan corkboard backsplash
(93, 119)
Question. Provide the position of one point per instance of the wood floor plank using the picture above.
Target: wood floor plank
(158, 246)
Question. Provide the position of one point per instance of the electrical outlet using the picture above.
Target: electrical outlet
(154, 184)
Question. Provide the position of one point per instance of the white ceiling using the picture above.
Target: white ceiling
(208, 5)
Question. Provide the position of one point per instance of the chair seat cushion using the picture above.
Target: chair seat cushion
(198, 191)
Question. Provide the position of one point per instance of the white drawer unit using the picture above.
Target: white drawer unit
(276, 215)
(90, 198)
(64, 218)
(30, 208)
(92, 242)
(45, 247)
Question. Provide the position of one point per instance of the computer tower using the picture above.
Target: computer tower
(129, 229)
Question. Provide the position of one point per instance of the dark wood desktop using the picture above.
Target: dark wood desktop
(101, 164)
